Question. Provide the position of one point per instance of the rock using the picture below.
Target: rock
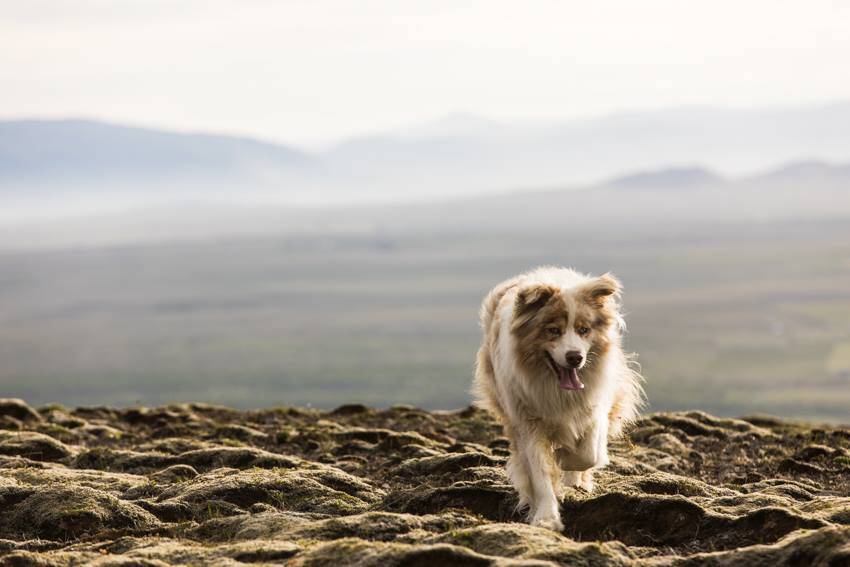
(173, 445)
(669, 444)
(446, 464)
(32, 445)
(197, 484)
(798, 467)
(98, 431)
(378, 526)
(60, 416)
(528, 542)
(240, 433)
(816, 451)
(497, 503)
(56, 475)
(350, 409)
(174, 473)
(104, 458)
(266, 524)
(664, 483)
(325, 490)
(353, 551)
(236, 457)
(690, 426)
(56, 512)
(827, 546)
(161, 552)
(19, 410)
(10, 423)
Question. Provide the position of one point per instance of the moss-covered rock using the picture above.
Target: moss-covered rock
(522, 541)
(18, 409)
(67, 512)
(33, 445)
(323, 490)
(196, 484)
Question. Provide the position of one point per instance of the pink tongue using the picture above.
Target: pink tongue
(568, 379)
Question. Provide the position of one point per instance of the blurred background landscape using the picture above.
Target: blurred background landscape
(323, 236)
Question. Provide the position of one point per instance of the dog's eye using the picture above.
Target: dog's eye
(582, 331)
(554, 331)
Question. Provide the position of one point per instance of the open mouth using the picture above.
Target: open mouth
(567, 377)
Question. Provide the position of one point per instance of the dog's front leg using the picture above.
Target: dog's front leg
(545, 511)
(590, 453)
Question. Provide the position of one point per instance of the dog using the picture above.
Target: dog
(552, 369)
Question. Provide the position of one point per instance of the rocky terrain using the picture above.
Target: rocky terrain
(196, 484)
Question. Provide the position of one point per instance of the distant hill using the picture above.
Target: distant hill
(807, 172)
(80, 156)
(672, 178)
(479, 156)
(457, 156)
(670, 200)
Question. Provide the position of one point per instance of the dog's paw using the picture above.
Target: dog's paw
(572, 478)
(582, 480)
(560, 491)
(586, 482)
(548, 522)
(523, 505)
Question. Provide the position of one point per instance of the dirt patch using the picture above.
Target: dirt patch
(193, 484)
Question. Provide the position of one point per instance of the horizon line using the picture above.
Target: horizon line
(315, 149)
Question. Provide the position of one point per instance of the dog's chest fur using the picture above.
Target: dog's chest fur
(562, 416)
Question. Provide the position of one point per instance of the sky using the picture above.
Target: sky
(314, 72)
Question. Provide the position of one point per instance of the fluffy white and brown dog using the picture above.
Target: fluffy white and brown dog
(552, 369)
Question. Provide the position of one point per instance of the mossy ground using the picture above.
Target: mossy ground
(194, 484)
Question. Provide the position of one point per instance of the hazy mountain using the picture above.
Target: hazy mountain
(807, 172)
(460, 155)
(673, 178)
(43, 158)
(479, 156)
(667, 201)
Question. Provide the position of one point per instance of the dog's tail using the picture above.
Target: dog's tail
(484, 384)
(491, 303)
(629, 399)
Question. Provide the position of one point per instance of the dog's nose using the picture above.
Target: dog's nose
(574, 358)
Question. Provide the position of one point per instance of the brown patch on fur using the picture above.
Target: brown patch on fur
(598, 349)
(537, 307)
(531, 299)
(541, 306)
(600, 289)
(601, 295)
(599, 319)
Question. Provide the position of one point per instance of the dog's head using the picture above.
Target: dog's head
(561, 331)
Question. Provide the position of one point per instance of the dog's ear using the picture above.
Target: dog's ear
(598, 290)
(533, 297)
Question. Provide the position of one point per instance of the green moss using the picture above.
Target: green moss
(843, 460)
(54, 430)
(405, 486)
(284, 436)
